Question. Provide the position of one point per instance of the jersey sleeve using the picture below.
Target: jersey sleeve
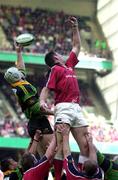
(23, 71)
(71, 169)
(99, 174)
(103, 162)
(72, 60)
(51, 83)
(13, 176)
(43, 165)
(39, 171)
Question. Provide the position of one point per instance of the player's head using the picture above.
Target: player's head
(8, 164)
(53, 58)
(90, 167)
(28, 161)
(13, 75)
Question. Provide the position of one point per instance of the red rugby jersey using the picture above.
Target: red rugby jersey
(38, 172)
(63, 81)
(73, 173)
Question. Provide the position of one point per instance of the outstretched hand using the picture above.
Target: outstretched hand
(18, 47)
(73, 21)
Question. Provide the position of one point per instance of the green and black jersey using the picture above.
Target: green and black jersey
(109, 167)
(27, 97)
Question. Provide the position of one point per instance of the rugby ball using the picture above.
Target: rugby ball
(25, 39)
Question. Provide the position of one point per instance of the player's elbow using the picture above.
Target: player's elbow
(76, 50)
(77, 46)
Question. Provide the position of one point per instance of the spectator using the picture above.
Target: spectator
(17, 20)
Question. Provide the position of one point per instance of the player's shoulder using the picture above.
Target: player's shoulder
(23, 72)
(56, 68)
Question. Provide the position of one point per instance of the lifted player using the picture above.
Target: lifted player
(28, 99)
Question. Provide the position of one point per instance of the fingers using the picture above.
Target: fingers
(38, 134)
(64, 129)
(38, 131)
(73, 21)
(17, 46)
(89, 137)
(43, 106)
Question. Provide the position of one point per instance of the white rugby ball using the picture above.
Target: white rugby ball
(25, 39)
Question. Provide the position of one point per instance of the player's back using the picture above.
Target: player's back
(26, 94)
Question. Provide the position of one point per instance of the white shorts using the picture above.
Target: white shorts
(70, 113)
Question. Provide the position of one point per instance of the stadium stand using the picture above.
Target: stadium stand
(41, 23)
(102, 131)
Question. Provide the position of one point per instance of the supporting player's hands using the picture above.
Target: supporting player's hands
(64, 129)
(45, 109)
(43, 105)
(38, 135)
(73, 21)
(89, 138)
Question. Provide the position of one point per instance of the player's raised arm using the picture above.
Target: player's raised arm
(76, 42)
(43, 98)
(19, 63)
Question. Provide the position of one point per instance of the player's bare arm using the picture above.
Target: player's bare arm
(92, 150)
(35, 141)
(51, 150)
(43, 98)
(46, 111)
(19, 63)
(76, 42)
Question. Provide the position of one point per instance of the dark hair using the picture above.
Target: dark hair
(47, 73)
(49, 60)
(27, 161)
(90, 168)
(5, 163)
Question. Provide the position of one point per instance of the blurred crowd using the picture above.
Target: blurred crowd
(9, 126)
(49, 35)
(100, 132)
(49, 30)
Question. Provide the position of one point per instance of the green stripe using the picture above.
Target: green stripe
(22, 143)
(85, 62)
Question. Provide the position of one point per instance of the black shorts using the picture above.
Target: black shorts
(39, 122)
